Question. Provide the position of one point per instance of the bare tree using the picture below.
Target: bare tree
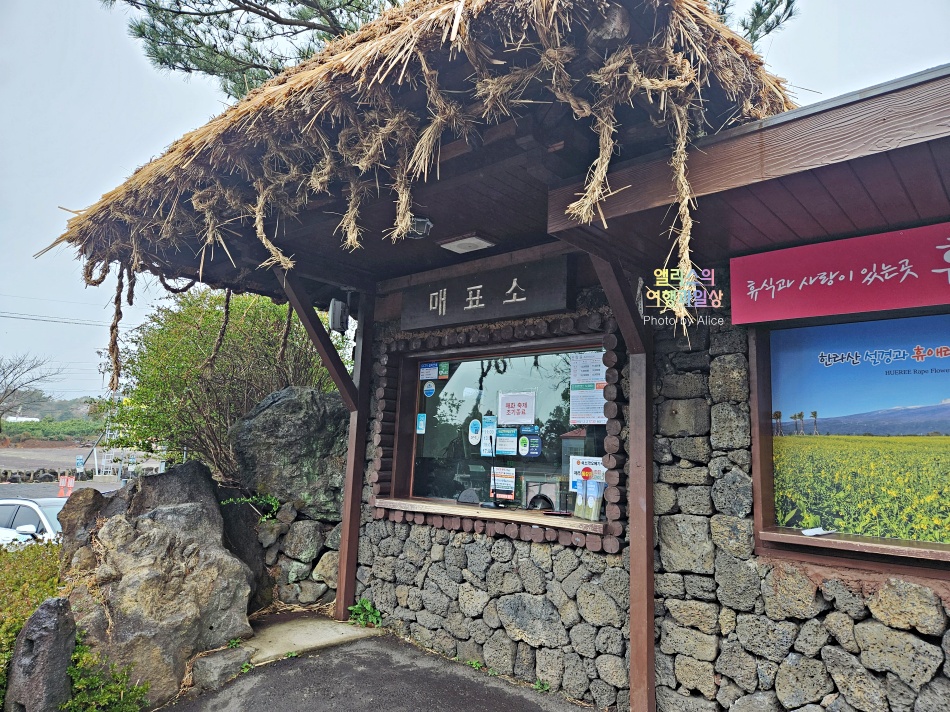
(20, 375)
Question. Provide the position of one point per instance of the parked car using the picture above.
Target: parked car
(22, 520)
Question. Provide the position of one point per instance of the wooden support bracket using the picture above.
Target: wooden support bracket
(303, 306)
(623, 303)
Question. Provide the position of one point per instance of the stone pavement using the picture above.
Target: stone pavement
(371, 675)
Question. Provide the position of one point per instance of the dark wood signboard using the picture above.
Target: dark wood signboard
(519, 290)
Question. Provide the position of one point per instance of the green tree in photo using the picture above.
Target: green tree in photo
(183, 389)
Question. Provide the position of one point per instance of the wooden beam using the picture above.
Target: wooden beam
(623, 303)
(843, 129)
(529, 254)
(303, 306)
(640, 514)
(356, 458)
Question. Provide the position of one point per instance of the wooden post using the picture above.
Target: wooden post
(356, 458)
(639, 342)
(303, 306)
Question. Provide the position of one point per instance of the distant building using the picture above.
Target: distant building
(18, 419)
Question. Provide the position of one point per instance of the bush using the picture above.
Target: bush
(97, 687)
(28, 576)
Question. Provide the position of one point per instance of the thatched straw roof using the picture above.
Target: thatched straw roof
(369, 112)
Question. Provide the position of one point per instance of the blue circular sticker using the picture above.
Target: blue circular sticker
(475, 432)
(429, 389)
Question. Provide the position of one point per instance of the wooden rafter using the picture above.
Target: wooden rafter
(303, 306)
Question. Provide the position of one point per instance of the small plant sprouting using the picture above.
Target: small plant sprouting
(267, 502)
(247, 667)
(541, 686)
(234, 643)
(290, 654)
(364, 614)
(475, 664)
(492, 672)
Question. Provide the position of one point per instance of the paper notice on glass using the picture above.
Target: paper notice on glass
(586, 469)
(489, 435)
(588, 378)
(503, 483)
(516, 408)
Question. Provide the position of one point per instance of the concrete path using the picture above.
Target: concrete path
(377, 674)
(275, 636)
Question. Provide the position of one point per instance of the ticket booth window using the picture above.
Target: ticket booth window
(509, 428)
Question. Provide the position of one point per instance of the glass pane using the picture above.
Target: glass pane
(52, 512)
(524, 416)
(26, 515)
(6, 514)
(861, 428)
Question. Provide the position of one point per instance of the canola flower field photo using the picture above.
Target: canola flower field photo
(861, 428)
(894, 487)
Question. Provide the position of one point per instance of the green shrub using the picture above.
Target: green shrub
(97, 687)
(28, 576)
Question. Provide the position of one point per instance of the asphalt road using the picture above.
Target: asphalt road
(51, 489)
(371, 675)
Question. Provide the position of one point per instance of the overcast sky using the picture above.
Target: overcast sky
(83, 108)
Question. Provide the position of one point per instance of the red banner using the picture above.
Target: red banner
(892, 270)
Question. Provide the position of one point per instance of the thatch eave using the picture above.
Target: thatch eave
(372, 109)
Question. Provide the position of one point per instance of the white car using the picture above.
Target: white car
(22, 520)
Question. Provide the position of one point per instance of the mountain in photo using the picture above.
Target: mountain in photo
(905, 420)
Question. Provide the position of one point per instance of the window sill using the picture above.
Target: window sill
(514, 516)
(775, 537)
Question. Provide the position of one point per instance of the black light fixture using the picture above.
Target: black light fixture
(421, 227)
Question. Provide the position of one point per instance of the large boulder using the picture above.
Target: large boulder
(37, 679)
(242, 538)
(292, 445)
(161, 586)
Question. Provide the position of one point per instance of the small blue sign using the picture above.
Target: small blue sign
(530, 429)
(421, 424)
(429, 389)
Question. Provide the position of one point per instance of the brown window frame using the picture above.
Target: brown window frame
(407, 403)
(848, 550)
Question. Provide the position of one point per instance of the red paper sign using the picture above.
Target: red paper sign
(892, 270)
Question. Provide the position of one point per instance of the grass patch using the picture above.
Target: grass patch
(28, 576)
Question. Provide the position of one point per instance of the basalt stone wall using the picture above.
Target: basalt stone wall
(744, 633)
(529, 609)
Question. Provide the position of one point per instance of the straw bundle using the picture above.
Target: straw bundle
(373, 107)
